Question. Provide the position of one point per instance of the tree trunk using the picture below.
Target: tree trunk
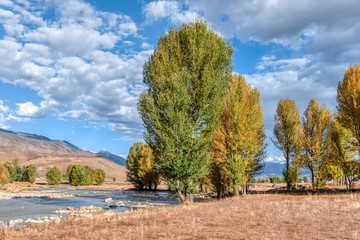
(236, 191)
(243, 191)
(181, 197)
(312, 179)
(287, 172)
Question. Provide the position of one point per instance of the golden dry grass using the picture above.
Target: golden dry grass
(251, 217)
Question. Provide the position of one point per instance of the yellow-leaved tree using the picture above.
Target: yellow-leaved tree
(341, 153)
(238, 146)
(348, 99)
(287, 137)
(315, 127)
(140, 167)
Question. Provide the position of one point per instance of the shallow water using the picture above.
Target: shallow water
(36, 208)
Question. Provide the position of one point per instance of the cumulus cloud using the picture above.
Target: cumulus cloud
(175, 11)
(72, 61)
(306, 29)
(288, 78)
(29, 110)
(320, 39)
(3, 114)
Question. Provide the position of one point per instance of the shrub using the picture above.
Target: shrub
(264, 180)
(305, 179)
(4, 175)
(17, 173)
(68, 171)
(30, 173)
(77, 175)
(98, 176)
(88, 179)
(277, 180)
(85, 175)
(140, 167)
(54, 176)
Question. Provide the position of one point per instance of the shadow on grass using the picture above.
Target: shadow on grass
(305, 191)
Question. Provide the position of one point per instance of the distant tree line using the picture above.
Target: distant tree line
(76, 174)
(204, 125)
(13, 172)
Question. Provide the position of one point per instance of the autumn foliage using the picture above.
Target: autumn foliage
(239, 143)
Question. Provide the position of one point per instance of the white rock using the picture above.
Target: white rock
(14, 222)
(108, 200)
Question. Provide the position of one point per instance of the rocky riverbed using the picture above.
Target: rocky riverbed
(47, 204)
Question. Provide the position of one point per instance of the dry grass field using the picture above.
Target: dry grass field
(269, 216)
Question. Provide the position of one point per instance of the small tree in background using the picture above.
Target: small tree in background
(140, 167)
(85, 175)
(30, 173)
(77, 175)
(54, 176)
(15, 171)
(68, 170)
(98, 176)
(89, 174)
(4, 175)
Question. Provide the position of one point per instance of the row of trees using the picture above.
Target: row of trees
(84, 175)
(203, 124)
(325, 143)
(76, 174)
(12, 172)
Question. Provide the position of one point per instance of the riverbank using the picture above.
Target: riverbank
(42, 190)
(268, 216)
(24, 203)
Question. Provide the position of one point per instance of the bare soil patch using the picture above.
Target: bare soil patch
(262, 216)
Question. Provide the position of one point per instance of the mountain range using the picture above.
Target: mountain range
(45, 153)
(113, 157)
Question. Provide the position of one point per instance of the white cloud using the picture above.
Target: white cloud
(4, 110)
(3, 107)
(175, 11)
(145, 45)
(321, 39)
(72, 61)
(29, 110)
(275, 159)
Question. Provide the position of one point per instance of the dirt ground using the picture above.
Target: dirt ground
(255, 216)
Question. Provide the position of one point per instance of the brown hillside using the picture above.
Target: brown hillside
(46, 153)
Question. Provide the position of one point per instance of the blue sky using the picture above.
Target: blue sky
(71, 69)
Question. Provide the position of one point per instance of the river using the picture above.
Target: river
(24, 208)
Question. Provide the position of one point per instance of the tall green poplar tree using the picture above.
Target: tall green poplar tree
(287, 134)
(187, 79)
